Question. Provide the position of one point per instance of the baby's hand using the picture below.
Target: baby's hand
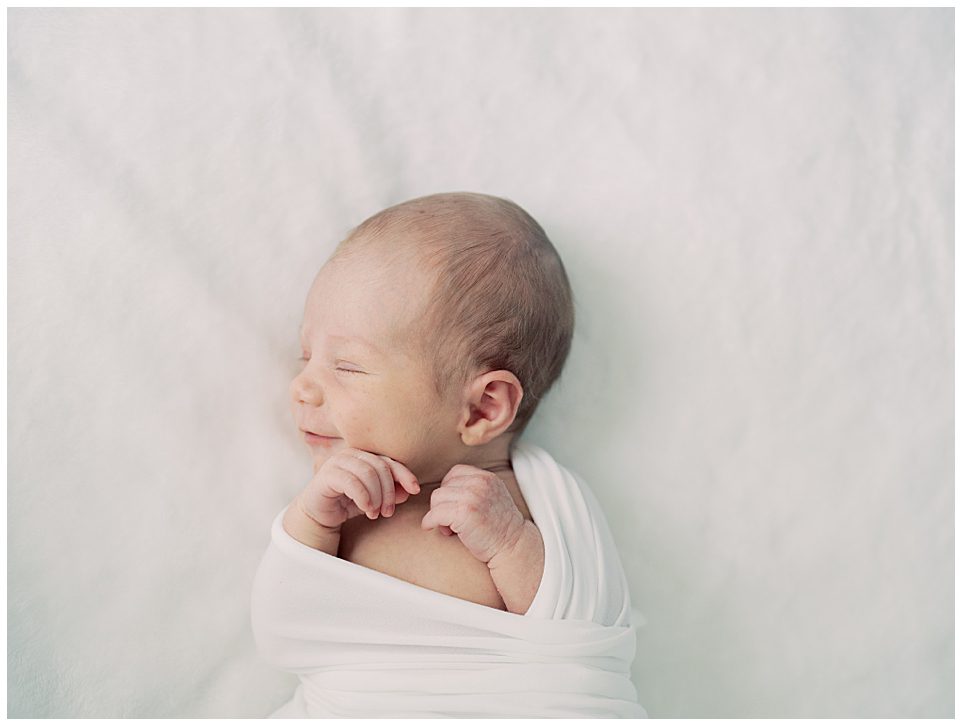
(475, 504)
(353, 481)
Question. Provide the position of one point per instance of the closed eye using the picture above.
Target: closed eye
(344, 370)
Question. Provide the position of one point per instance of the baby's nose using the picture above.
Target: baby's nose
(306, 391)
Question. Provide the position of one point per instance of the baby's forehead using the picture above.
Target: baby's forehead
(397, 269)
(368, 291)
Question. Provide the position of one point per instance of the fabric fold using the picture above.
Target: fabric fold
(364, 643)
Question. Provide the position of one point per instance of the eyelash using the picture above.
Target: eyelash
(345, 370)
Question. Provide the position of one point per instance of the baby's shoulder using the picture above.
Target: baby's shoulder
(397, 546)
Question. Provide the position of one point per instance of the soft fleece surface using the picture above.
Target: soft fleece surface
(755, 209)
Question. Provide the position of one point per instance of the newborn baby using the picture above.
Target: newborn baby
(436, 565)
(428, 339)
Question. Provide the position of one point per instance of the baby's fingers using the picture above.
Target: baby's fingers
(349, 485)
(400, 494)
(403, 476)
(384, 480)
(366, 475)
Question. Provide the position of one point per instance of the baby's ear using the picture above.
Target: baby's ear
(491, 406)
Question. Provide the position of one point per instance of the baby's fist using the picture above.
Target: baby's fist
(353, 482)
(476, 505)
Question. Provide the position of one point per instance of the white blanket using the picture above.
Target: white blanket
(366, 644)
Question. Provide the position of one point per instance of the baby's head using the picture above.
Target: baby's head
(432, 333)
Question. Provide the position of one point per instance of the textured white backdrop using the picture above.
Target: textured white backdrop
(755, 208)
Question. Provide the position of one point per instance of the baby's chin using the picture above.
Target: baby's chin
(321, 453)
(318, 457)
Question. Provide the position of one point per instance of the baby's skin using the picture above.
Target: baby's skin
(365, 404)
(471, 502)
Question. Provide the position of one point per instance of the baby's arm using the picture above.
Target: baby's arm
(476, 505)
(517, 571)
(304, 529)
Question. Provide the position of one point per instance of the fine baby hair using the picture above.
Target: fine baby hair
(501, 297)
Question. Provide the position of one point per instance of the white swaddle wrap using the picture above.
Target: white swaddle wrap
(366, 644)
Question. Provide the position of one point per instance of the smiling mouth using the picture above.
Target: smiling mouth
(317, 439)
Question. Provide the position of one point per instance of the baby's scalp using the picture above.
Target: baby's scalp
(499, 295)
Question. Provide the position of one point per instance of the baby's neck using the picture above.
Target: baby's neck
(501, 468)
(496, 453)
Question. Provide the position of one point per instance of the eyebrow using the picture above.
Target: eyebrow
(349, 339)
